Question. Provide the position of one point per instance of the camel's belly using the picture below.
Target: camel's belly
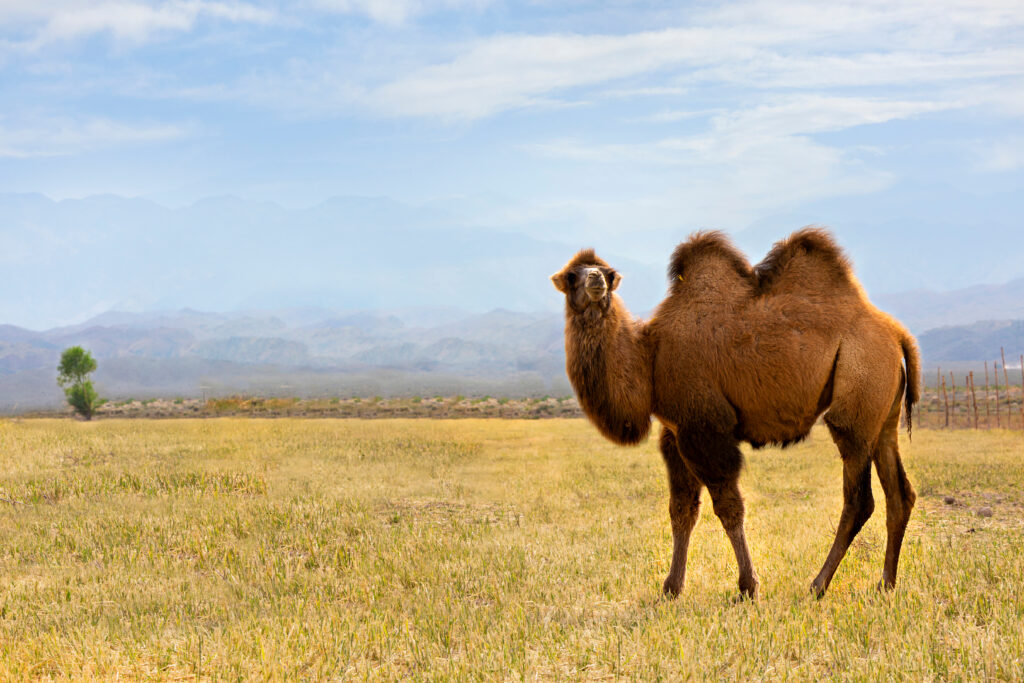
(775, 426)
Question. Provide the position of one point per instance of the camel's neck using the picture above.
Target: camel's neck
(609, 366)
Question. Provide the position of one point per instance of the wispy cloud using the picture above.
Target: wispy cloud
(668, 188)
(764, 46)
(51, 21)
(724, 106)
(813, 113)
(394, 12)
(733, 134)
(62, 136)
(759, 46)
(771, 70)
(746, 163)
(511, 71)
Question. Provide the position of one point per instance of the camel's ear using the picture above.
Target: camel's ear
(612, 277)
(559, 281)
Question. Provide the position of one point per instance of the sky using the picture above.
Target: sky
(623, 125)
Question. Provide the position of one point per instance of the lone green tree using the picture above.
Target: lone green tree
(73, 376)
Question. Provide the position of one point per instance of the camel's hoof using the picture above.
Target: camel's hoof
(671, 588)
(747, 593)
(742, 598)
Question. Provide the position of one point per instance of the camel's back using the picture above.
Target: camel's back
(763, 339)
(716, 300)
(805, 279)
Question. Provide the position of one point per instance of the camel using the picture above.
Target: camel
(738, 353)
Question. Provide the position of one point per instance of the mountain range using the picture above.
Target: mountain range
(319, 352)
(306, 352)
(366, 296)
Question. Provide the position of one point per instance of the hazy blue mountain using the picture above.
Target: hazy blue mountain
(192, 353)
(254, 350)
(360, 295)
(978, 341)
(922, 310)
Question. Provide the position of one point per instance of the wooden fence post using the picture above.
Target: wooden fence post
(974, 397)
(995, 376)
(1006, 383)
(945, 400)
(952, 381)
(988, 416)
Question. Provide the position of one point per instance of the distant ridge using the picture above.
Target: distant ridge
(322, 352)
(978, 341)
(924, 310)
(190, 353)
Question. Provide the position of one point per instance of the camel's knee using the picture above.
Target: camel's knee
(908, 498)
(899, 492)
(684, 510)
(858, 509)
(899, 509)
(728, 507)
(858, 502)
(906, 490)
(685, 503)
(865, 508)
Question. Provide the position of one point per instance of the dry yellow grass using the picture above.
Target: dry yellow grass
(482, 550)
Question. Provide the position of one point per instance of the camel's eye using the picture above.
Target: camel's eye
(570, 279)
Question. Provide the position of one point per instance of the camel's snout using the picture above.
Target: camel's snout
(595, 284)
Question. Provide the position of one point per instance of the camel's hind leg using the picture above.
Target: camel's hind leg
(899, 494)
(716, 460)
(858, 503)
(683, 508)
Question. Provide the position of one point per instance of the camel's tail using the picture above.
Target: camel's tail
(912, 359)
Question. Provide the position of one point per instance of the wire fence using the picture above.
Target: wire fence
(967, 400)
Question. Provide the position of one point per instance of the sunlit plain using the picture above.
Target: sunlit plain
(244, 548)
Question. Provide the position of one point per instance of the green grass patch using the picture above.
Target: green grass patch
(480, 550)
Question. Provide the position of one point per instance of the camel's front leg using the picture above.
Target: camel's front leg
(728, 503)
(683, 508)
(716, 461)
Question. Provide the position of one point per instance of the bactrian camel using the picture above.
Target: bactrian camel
(738, 353)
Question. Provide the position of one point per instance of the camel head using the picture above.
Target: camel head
(587, 282)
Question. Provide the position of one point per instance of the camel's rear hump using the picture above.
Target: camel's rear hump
(809, 260)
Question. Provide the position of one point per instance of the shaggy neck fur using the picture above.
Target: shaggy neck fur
(609, 365)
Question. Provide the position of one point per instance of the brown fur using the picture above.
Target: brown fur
(739, 353)
(606, 358)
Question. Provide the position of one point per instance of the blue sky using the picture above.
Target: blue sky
(589, 123)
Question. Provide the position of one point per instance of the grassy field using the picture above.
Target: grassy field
(480, 549)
